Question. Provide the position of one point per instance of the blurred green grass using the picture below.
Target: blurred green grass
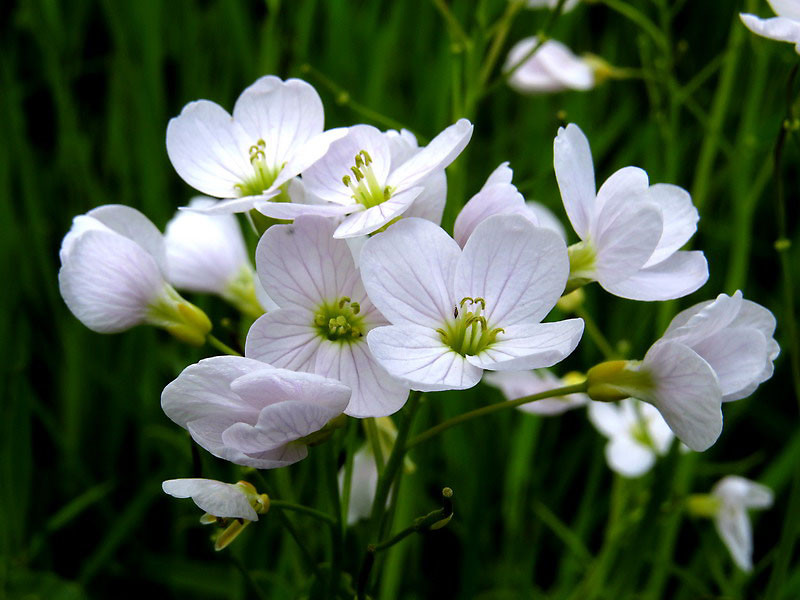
(87, 89)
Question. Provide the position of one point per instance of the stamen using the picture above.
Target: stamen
(469, 333)
(339, 321)
(366, 189)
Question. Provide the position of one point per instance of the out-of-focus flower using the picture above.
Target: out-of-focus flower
(324, 316)
(519, 384)
(251, 413)
(112, 276)
(630, 231)
(275, 133)
(207, 254)
(636, 434)
(552, 68)
(785, 27)
(551, 4)
(727, 505)
(359, 177)
(455, 313)
(734, 336)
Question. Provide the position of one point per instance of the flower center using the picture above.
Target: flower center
(364, 185)
(263, 175)
(468, 332)
(340, 321)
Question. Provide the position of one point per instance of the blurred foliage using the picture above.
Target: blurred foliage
(87, 88)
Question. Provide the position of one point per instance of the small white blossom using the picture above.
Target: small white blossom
(636, 433)
(519, 384)
(630, 231)
(324, 314)
(552, 68)
(363, 483)
(455, 313)
(275, 133)
(251, 413)
(785, 27)
(222, 500)
(551, 4)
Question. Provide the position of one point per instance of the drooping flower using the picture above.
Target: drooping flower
(455, 313)
(363, 483)
(220, 500)
(630, 231)
(207, 254)
(552, 68)
(112, 276)
(248, 159)
(251, 413)
(636, 433)
(785, 27)
(519, 384)
(734, 336)
(324, 316)
(499, 196)
(727, 505)
(359, 177)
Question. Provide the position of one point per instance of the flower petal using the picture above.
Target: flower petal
(284, 338)
(431, 201)
(628, 457)
(518, 384)
(679, 218)
(679, 275)
(216, 498)
(733, 526)
(738, 491)
(609, 418)
(290, 210)
(786, 8)
(781, 29)
(497, 199)
(132, 224)
(703, 320)
(370, 220)
(417, 356)
(572, 159)
(737, 357)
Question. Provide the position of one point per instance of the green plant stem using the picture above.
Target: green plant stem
(375, 442)
(493, 408)
(221, 346)
(337, 529)
(306, 510)
(249, 578)
(456, 31)
(630, 12)
(504, 24)
(597, 336)
(420, 524)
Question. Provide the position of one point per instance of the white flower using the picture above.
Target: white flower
(112, 276)
(636, 434)
(457, 313)
(551, 4)
(222, 500)
(784, 28)
(324, 316)
(363, 484)
(552, 68)
(518, 384)
(734, 336)
(499, 196)
(251, 413)
(630, 231)
(728, 503)
(207, 254)
(364, 177)
(275, 133)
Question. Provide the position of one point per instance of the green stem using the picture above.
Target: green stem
(634, 15)
(421, 524)
(456, 31)
(221, 346)
(597, 336)
(337, 529)
(493, 408)
(375, 442)
(498, 40)
(306, 510)
(248, 577)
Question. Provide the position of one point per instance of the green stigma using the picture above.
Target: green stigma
(340, 321)
(363, 183)
(263, 175)
(469, 333)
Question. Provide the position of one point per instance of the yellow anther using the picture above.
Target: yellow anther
(367, 157)
(359, 161)
(356, 307)
(343, 300)
(346, 180)
(359, 175)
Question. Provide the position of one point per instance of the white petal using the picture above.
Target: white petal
(542, 216)
(738, 491)
(284, 338)
(518, 268)
(302, 265)
(572, 159)
(408, 271)
(497, 199)
(786, 8)
(109, 282)
(686, 393)
(781, 29)
(375, 392)
(737, 357)
(679, 217)
(266, 387)
(417, 356)
(530, 346)
(133, 225)
(733, 526)
(308, 154)
(703, 320)
(518, 384)
(570, 70)
(235, 205)
(431, 201)
(552, 68)
(502, 174)
(208, 149)
(442, 151)
(681, 274)
(628, 457)
(628, 183)
(370, 220)
(290, 210)
(402, 144)
(609, 418)
(216, 498)
(362, 485)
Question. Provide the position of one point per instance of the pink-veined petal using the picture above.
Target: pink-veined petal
(496, 199)
(285, 338)
(681, 274)
(367, 221)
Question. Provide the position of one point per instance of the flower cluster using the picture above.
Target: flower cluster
(358, 295)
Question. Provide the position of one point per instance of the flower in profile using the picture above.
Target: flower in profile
(363, 178)
(112, 276)
(363, 483)
(275, 133)
(553, 67)
(785, 27)
(324, 314)
(519, 384)
(630, 231)
(734, 336)
(728, 505)
(206, 253)
(636, 433)
(455, 313)
(551, 4)
(251, 413)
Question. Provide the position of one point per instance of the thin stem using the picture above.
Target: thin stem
(375, 442)
(306, 510)
(421, 524)
(597, 336)
(645, 24)
(337, 530)
(248, 577)
(221, 346)
(493, 408)
(455, 27)
(499, 39)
